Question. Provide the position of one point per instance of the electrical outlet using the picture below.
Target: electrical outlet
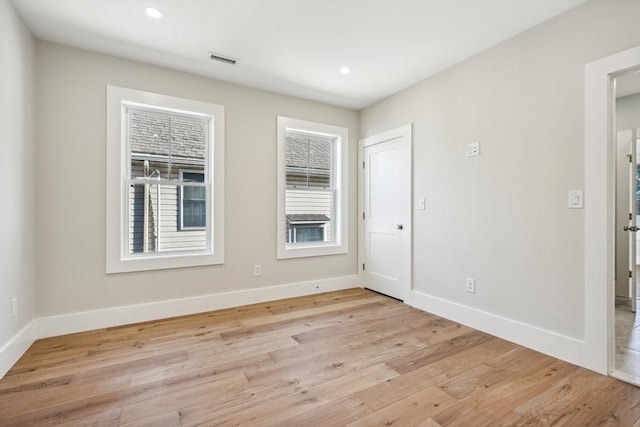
(473, 149)
(257, 270)
(470, 286)
(14, 307)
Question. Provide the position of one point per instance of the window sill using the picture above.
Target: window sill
(302, 251)
(162, 261)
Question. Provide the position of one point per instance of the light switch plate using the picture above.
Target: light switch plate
(422, 204)
(576, 199)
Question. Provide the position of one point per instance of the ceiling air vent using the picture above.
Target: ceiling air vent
(222, 58)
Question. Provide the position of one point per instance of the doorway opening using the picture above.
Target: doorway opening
(625, 120)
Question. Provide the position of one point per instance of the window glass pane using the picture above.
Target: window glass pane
(143, 218)
(156, 221)
(194, 201)
(309, 234)
(167, 147)
(309, 161)
(192, 176)
(195, 213)
(161, 144)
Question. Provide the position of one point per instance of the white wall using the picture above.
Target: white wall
(628, 112)
(502, 217)
(17, 175)
(71, 87)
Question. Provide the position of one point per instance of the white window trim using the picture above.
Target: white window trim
(340, 231)
(117, 259)
(182, 227)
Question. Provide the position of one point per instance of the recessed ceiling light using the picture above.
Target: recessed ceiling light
(345, 70)
(153, 12)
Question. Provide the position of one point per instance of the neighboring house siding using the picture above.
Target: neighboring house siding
(165, 233)
(308, 202)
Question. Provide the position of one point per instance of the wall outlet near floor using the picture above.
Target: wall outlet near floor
(14, 307)
(473, 149)
(470, 286)
(257, 270)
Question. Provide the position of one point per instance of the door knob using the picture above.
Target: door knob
(633, 228)
(399, 226)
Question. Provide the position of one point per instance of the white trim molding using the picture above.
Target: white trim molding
(125, 315)
(542, 340)
(16, 347)
(83, 321)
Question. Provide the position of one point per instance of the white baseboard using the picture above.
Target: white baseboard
(124, 315)
(16, 346)
(548, 342)
(544, 341)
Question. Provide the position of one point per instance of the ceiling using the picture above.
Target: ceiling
(294, 47)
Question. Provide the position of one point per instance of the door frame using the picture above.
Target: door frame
(599, 215)
(399, 132)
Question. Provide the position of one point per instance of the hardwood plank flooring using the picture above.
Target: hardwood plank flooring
(348, 358)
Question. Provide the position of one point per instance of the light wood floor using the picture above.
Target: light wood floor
(627, 331)
(344, 358)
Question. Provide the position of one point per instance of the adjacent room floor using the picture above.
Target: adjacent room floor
(352, 358)
(627, 338)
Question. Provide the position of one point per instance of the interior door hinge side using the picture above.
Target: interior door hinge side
(363, 267)
(630, 274)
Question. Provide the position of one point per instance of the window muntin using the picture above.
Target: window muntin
(311, 188)
(152, 140)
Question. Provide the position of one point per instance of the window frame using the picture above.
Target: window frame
(182, 226)
(117, 181)
(339, 190)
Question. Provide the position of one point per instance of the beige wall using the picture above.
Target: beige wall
(17, 173)
(71, 86)
(502, 218)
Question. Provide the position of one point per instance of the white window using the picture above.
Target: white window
(312, 189)
(193, 201)
(165, 181)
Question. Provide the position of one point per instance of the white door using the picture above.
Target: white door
(386, 212)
